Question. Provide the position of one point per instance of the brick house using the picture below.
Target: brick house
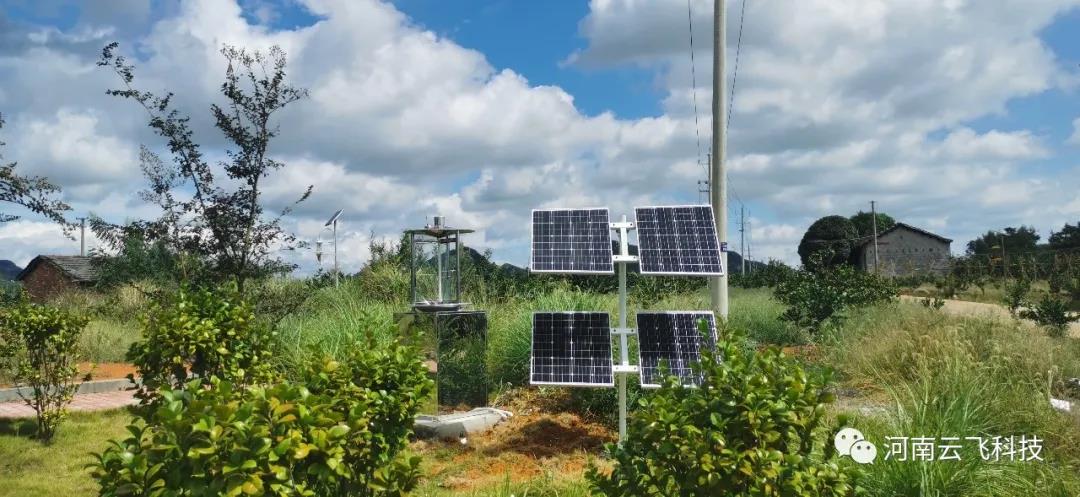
(50, 275)
(904, 250)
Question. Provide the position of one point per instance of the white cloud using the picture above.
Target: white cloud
(1074, 139)
(838, 103)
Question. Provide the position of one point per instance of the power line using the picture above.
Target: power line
(693, 83)
(735, 73)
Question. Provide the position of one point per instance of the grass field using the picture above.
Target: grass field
(901, 369)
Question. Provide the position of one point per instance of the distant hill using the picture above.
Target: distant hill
(9, 270)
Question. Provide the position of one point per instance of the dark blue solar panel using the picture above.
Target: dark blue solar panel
(674, 339)
(571, 348)
(571, 241)
(678, 240)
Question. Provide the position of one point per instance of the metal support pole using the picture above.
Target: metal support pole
(624, 353)
(337, 271)
(412, 268)
(718, 285)
(438, 269)
(873, 217)
(82, 236)
(457, 272)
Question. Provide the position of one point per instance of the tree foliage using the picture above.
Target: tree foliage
(756, 426)
(1017, 241)
(201, 334)
(33, 193)
(1067, 238)
(212, 213)
(39, 350)
(819, 298)
(864, 223)
(828, 242)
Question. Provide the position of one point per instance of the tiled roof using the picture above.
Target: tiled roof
(868, 239)
(79, 268)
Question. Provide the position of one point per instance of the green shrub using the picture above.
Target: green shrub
(935, 303)
(1016, 292)
(200, 334)
(38, 347)
(340, 431)
(1051, 313)
(11, 294)
(756, 426)
(817, 298)
(768, 276)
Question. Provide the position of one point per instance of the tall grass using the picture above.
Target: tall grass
(332, 319)
(960, 377)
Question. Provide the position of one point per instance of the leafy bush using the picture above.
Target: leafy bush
(816, 298)
(828, 242)
(1016, 292)
(340, 431)
(38, 347)
(768, 276)
(200, 334)
(1052, 313)
(756, 426)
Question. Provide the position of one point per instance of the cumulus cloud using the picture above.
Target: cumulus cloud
(838, 102)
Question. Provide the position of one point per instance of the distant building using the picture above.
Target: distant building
(50, 275)
(905, 250)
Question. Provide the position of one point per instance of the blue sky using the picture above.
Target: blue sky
(957, 117)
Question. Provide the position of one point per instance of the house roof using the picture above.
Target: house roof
(79, 268)
(898, 225)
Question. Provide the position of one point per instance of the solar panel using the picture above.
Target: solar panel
(571, 241)
(678, 240)
(672, 337)
(571, 348)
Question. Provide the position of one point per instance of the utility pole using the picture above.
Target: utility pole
(873, 217)
(742, 238)
(718, 288)
(1004, 266)
(82, 236)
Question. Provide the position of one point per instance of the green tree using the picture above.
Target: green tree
(1017, 241)
(33, 193)
(828, 242)
(220, 221)
(864, 223)
(1067, 238)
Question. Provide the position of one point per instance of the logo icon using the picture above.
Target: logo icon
(851, 442)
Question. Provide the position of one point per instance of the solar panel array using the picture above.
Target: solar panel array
(571, 241)
(571, 348)
(672, 338)
(678, 240)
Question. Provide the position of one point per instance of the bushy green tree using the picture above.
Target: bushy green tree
(864, 223)
(818, 298)
(1051, 313)
(200, 333)
(1017, 241)
(39, 350)
(1067, 238)
(828, 242)
(756, 426)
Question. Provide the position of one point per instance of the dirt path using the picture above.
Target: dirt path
(966, 308)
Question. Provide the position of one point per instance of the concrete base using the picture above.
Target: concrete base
(459, 426)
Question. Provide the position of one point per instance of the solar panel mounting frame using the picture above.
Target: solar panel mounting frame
(642, 251)
(532, 241)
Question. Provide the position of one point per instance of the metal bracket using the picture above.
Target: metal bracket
(624, 369)
(624, 258)
(623, 331)
(622, 224)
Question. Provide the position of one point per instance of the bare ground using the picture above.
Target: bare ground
(966, 308)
